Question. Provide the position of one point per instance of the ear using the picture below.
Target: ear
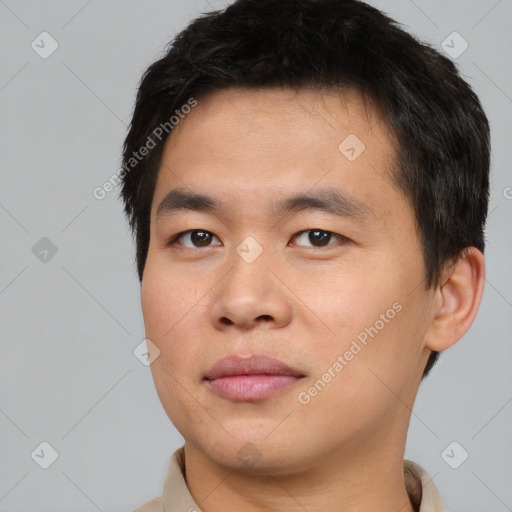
(457, 299)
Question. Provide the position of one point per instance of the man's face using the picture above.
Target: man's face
(337, 295)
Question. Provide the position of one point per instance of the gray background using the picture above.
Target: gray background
(70, 323)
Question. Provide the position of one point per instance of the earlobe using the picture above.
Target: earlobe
(457, 300)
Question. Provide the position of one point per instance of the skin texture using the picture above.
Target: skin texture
(304, 305)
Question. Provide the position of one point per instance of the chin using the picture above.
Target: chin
(252, 454)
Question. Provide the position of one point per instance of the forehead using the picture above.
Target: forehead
(303, 114)
(265, 142)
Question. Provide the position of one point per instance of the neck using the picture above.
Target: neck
(348, 478)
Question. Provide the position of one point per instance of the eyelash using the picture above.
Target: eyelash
(174, 239)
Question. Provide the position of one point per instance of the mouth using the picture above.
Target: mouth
(250, 378)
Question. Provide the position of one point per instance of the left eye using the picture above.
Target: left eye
(319, 237)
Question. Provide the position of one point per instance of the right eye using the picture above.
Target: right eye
(197, 237)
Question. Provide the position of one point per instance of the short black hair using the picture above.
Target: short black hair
(441, 128)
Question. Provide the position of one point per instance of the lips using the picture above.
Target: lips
(233, 366)
(243, 379)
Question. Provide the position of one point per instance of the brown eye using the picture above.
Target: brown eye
(196, 238)
(318, 237)
(200, 238)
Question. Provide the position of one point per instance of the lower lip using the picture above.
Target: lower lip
(251, 387)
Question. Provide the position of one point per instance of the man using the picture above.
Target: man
(308, 187)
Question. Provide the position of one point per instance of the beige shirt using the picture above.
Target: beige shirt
(176, 496)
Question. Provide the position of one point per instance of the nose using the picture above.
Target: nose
(251, 295)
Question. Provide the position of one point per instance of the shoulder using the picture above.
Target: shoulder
(154, 505)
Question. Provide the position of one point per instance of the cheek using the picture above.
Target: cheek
(173, 308)
(372, 367)
(170, 310)
(371, 316)
(169, 301)
(343, 300)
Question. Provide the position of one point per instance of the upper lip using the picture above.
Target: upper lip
(249, 365)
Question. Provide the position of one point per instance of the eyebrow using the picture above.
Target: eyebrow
(329, 200)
